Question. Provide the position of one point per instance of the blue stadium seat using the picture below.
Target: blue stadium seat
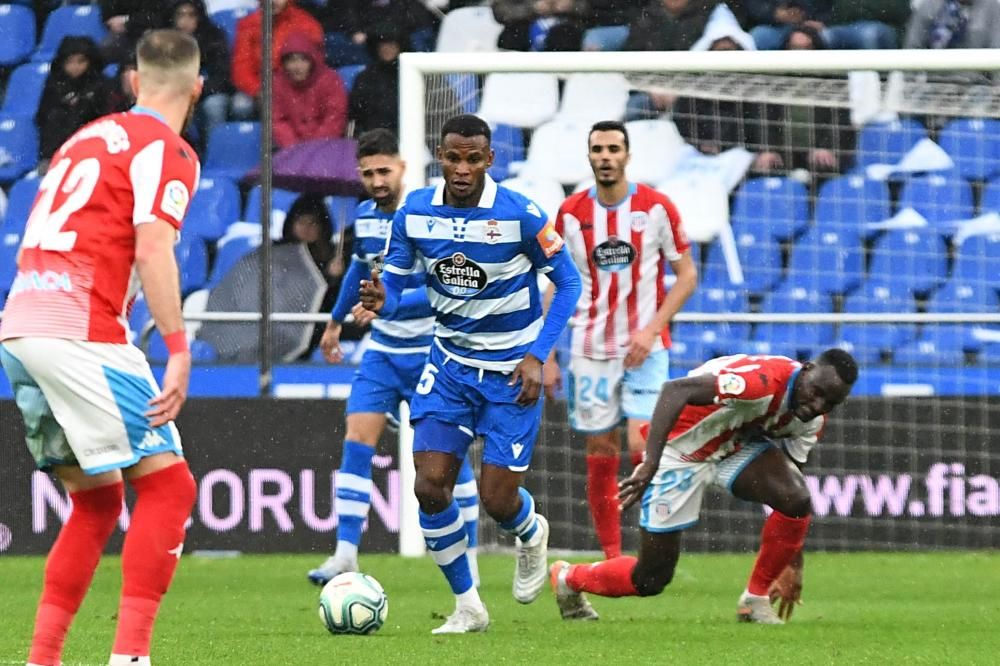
(940, 198)
(991, 197)
(961, 295)
(10, 242)
(227, 20)
(508, 146)
(828, 259)
(19, 200)
(233, 149)
(781, 203)
(229, 252)
(851, 202)
(977, 260)
(84, 20)
(694, 343)
(24, 89)
(18, 147)
(886, 143)
(17, 34)
(139, 318)
(340, 50)
(281, 203)
(990, 353)
(974, 145)
(192, 260)
(717, 300)
(760, 257)
(215, 206)
(937, 345)
(869, 342)
(348, 73)
(798, 340)
(912, 258)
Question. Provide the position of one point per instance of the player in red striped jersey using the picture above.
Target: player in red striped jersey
(745, 423)
(105, 220)
(621, 236)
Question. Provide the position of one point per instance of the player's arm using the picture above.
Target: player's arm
(382, 293)
(329, 344)
(160, 277)
(674, 397)
(687, 280)
(551, 372)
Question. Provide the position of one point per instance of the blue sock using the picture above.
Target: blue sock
(444, 534)
(524, 525)
(467, 495)
(354, 491)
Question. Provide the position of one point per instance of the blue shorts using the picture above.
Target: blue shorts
(478, 402)
(382, 381)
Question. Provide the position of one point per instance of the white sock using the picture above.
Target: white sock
(469, 599)
(128, 660)
(346, 552)
(473, 565)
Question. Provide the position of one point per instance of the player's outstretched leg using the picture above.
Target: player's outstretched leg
(70, 567)
(352, 502)
(602, 496)
(573, 605)
(152, 549)
(467, 495)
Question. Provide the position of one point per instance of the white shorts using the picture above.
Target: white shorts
(602, 393)
(672, 501)
(84, 403)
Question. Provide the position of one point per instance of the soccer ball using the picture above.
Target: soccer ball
(353, 603)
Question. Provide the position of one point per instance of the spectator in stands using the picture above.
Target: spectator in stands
(608, 24)
(191, 16)
(540, 25)
(361, 19)
(310, 101)
(126, 21)
(773, 20)
(669, 25)
(866, 24)
(247, 50)
(374, 100)
(954, 24)
(121, 95)
(75, 93)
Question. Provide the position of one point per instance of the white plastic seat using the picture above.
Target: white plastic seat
(589, 98)
(703, 204)
(469, 29)
(655, 146)
(522, 100)
(558, 150)
(546, 192)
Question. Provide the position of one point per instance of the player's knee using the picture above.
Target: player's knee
(796, 504)
(650, 582)
(432, 494)
(501, 506)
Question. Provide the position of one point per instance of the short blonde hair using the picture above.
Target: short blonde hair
(168, 59)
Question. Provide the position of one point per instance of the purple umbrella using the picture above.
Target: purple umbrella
(322, 166)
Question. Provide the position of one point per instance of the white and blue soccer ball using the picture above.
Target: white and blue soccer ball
(353, 603)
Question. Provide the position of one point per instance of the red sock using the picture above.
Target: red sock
(602, 495)
(70, 567)
(151, 552)
(780, 540)
(610, 578)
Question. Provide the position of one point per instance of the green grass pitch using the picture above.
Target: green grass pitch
(940, 608)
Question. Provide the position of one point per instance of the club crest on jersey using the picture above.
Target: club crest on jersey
(613, 254)
(731, 384)
(460, 276)
(175, 199)
(493, 233)
(640, 220)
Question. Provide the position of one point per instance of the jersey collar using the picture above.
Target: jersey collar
(146, 111)
(592, 193)
(486, 199)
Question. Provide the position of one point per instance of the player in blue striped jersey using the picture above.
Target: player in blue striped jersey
(391, 365)
(482, 247)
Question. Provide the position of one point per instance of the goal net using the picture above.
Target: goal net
(854, 202)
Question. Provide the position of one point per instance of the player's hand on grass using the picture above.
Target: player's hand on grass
(787, 590)
(632, 488)
(362, 316)
(329, 344)
(529, 373)
(165, 407)
(551, 378)
(372, 293)
(639, 347)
